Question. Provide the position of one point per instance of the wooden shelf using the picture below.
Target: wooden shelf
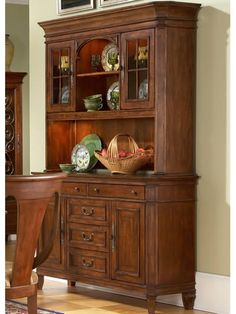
(104, 73)
(101, 115)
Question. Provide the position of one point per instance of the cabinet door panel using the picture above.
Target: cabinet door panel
(128, 242)
(137, 64)
(60, 77)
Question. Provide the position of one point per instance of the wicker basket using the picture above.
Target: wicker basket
(128, 164)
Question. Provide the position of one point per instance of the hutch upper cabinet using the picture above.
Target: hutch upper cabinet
(131, 233)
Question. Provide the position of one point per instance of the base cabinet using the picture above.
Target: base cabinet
(141, 241)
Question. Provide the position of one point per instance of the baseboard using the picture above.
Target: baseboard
(213, 294)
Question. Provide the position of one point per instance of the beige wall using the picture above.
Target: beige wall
(17, 26)
(212, 124)
(212, 141)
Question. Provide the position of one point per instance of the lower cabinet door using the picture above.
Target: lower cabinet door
(128, 238)
(56, 259)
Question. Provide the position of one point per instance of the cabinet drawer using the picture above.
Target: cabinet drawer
(74, 188)
(116, 190)
(87, 211)
(88, 263)
(88, 237)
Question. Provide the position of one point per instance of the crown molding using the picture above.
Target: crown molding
(25, 2)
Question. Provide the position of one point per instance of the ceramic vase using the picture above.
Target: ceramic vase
(9, 52)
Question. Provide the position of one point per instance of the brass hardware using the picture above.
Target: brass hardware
(88, 263)
(96, 190)
(62, 230)
(134, 192)
(113, 238)
(88, 237)
(87, 211)
(77, 189)
(72, 75)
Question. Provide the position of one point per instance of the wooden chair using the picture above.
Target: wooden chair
(32, 194)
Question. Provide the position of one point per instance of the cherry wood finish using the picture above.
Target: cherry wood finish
(13, 138)
(135, 233)
(32, 194)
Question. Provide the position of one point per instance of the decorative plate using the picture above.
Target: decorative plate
(143, 89)
(81, 157)
(92, 142)
(65, 95)
(113, 96)
(110, 58)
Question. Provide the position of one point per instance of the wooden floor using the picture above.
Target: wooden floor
(56, 296)
(77, 300)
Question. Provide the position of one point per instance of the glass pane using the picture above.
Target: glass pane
(55, 62)
(142, 53)
(131, 54)
(56, 88)
(65, 62)
(65, 91)
(132, 85)
(143, 85)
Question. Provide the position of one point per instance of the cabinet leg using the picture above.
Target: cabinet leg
(188, 299)
(71, 283)
(40, 282)
(151, 304)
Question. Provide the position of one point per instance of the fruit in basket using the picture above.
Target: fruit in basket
(129, 154)
(104, 152)
(140, 150)
(122, 153)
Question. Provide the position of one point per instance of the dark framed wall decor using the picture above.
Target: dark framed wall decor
(72, 6)
(104, 3)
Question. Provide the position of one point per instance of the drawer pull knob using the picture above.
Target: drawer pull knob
(87, 263)
(134, 192)
(88, 237)
(96, 190)
(77, 189)
(87, 211)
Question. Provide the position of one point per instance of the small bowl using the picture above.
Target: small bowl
(93, 106)
(67, 168)
(94, 97)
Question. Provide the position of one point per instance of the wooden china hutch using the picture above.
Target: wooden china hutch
(135, 233)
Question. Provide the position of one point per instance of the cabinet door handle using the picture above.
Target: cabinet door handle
(96, 190)
(88, 263)
(88, 237)
(77, 189)
(134, 192)
(87, 211)
(71, 74)
(113, 237)
(62, 230)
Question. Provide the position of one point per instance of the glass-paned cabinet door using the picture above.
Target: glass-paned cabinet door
(60, 77)
(137, 64)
